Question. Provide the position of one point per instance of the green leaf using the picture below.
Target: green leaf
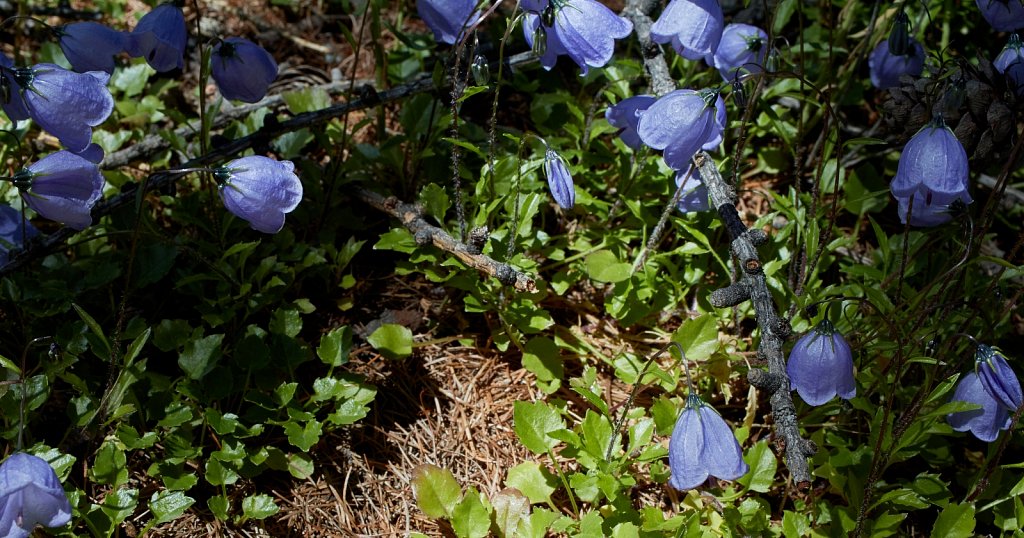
(94, 327)
(955, 521)
(533, 422)
(436, 490)
(219, 505)
(532, 480)
(169, 505)
(435, 201)
(305, 436)
(171, 334)
(603, 266)
(120, 503)
(200, 356)
(794, 525)
(110, 465)
(511, 512)
(392, 340)
(542, 357)
(471, 518)
(699, 337)
(259, 506)
(762, 464)
(335, 346)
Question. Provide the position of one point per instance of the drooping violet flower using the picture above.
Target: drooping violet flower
(63, 187)
(10, 98)
(933, 171)
(742, 49)
(533, 6)
(695, 193)
(703, 445)
(92, 153)
(30, 495)
(984, 423)
(584, 30)
(997, 377)
(160, 37)
(887, 68)
(820, 366)
(91, 46)
(259, 190)
(694, 27)
(682, 122)
(625, 115)
(1002, 15)
(922, 214)
(242, 69)
(448, 18)
(1010, 62)
(559, 179)
(12, 234)
(64, 103)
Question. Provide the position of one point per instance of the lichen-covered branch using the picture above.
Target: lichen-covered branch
(774, 329)
(752, 285)
(425, 233)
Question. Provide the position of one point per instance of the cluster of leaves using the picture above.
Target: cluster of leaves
(194, 359)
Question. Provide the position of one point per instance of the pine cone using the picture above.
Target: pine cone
(974, 101)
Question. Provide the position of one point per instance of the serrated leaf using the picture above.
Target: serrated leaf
(169, 505)
(471, 518)
(200, 356)
(259, 506)
(699, 337)
(436, 490)
(762, 464)
(532, 480)
(955, 521)
(392, 340)
(533, 422)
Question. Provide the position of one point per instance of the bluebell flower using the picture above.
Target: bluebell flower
(933, 171)
(533, 6)
(997, 377)
(694, 27)
(695, 193)
(820, 366)
(63, 187)
(12, 234)
(584, 30)
(160, 37)
(626, 116)
(92, 153)
(702, 445)
(985, 423)
(30, 495)
(742, 49)
(683, 122)
(64, 103)
(1010, 62)
(559, 179)
(259, 190)
(448, 18)
(91, 46)
(887, 68)
(242, 69)
(1002, 15)
(12, 101)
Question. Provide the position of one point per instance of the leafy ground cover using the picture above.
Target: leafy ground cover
(471, 322)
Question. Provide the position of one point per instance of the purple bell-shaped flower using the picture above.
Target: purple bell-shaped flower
(259, 190)
(683, 122)
(694, 27)
(1002, 15)
(933, 171)
(160, 37)
(63, 187)
(559, 179)
(242, 69)
(12, 234)
(91, 46)
(820, 366)
(703, 445)
(448, 18)
(1010, 62)
(12, 102)
(626, 116)
(30, 495)
(997, 377)
(742, 49)
(584, 30)
(985, 423)
(886, 68)
(695, 193)
(64, 103)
